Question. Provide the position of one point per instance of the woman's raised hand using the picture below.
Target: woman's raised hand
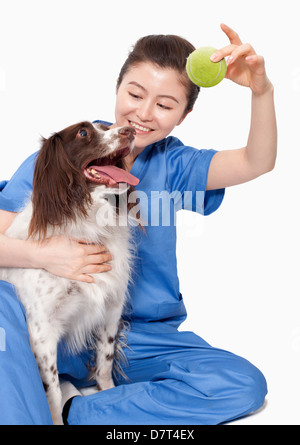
(244, 66)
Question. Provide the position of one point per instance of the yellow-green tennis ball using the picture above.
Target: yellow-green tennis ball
(202, 71)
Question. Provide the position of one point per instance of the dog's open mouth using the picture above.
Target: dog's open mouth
(104, 170)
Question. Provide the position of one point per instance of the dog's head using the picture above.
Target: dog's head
(97, 151)
(72, 162)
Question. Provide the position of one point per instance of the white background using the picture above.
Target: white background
(238, 267)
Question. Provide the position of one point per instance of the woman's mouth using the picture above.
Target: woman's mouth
(140, 129)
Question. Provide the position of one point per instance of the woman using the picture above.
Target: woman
(174, 377)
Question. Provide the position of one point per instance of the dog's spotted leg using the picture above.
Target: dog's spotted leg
(106, 344)
(45, 353)
(53, 393)
(104, 361)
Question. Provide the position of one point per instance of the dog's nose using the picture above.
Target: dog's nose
(128, 132)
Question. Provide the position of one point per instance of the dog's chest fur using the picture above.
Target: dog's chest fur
(76, 307)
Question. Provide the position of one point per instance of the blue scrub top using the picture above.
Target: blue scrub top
(172, 176)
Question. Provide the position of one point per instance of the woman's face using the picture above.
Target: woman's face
(152, 100)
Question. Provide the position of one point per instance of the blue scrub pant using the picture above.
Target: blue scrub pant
(174, 378)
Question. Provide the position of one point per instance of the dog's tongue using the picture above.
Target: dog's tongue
(117, 174)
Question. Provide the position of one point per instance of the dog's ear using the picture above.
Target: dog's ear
(59, 188)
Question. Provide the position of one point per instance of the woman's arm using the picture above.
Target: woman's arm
(232, 167)
(61, 256)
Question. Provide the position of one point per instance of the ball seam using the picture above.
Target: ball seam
(199, 81)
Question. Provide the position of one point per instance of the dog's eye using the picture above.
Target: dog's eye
(83, 133)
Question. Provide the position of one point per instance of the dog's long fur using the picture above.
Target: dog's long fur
(65, 203)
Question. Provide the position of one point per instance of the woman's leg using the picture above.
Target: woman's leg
(22, 396)
(175, 378)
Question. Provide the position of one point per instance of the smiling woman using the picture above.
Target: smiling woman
(174, 55)
(153, 92)
(153, 106)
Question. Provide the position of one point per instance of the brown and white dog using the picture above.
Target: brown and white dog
(76, 170)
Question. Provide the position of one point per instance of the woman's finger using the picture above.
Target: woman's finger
(85, 278)
(233, 51)
(91, 269)
(255, 59)
(241, 51)
(223, 52)
(92, 248)
(94, 259)
(231, 34)
(96, 268)
(102, 258)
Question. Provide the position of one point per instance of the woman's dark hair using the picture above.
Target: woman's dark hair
(165, 51)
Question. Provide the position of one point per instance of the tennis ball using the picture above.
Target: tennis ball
(202, 71)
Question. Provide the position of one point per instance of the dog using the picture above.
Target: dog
(76, 171)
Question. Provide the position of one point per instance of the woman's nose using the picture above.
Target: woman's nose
(145, 112)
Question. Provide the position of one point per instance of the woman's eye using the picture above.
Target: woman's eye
(164, 107)
(135, 96)
(83, 133)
